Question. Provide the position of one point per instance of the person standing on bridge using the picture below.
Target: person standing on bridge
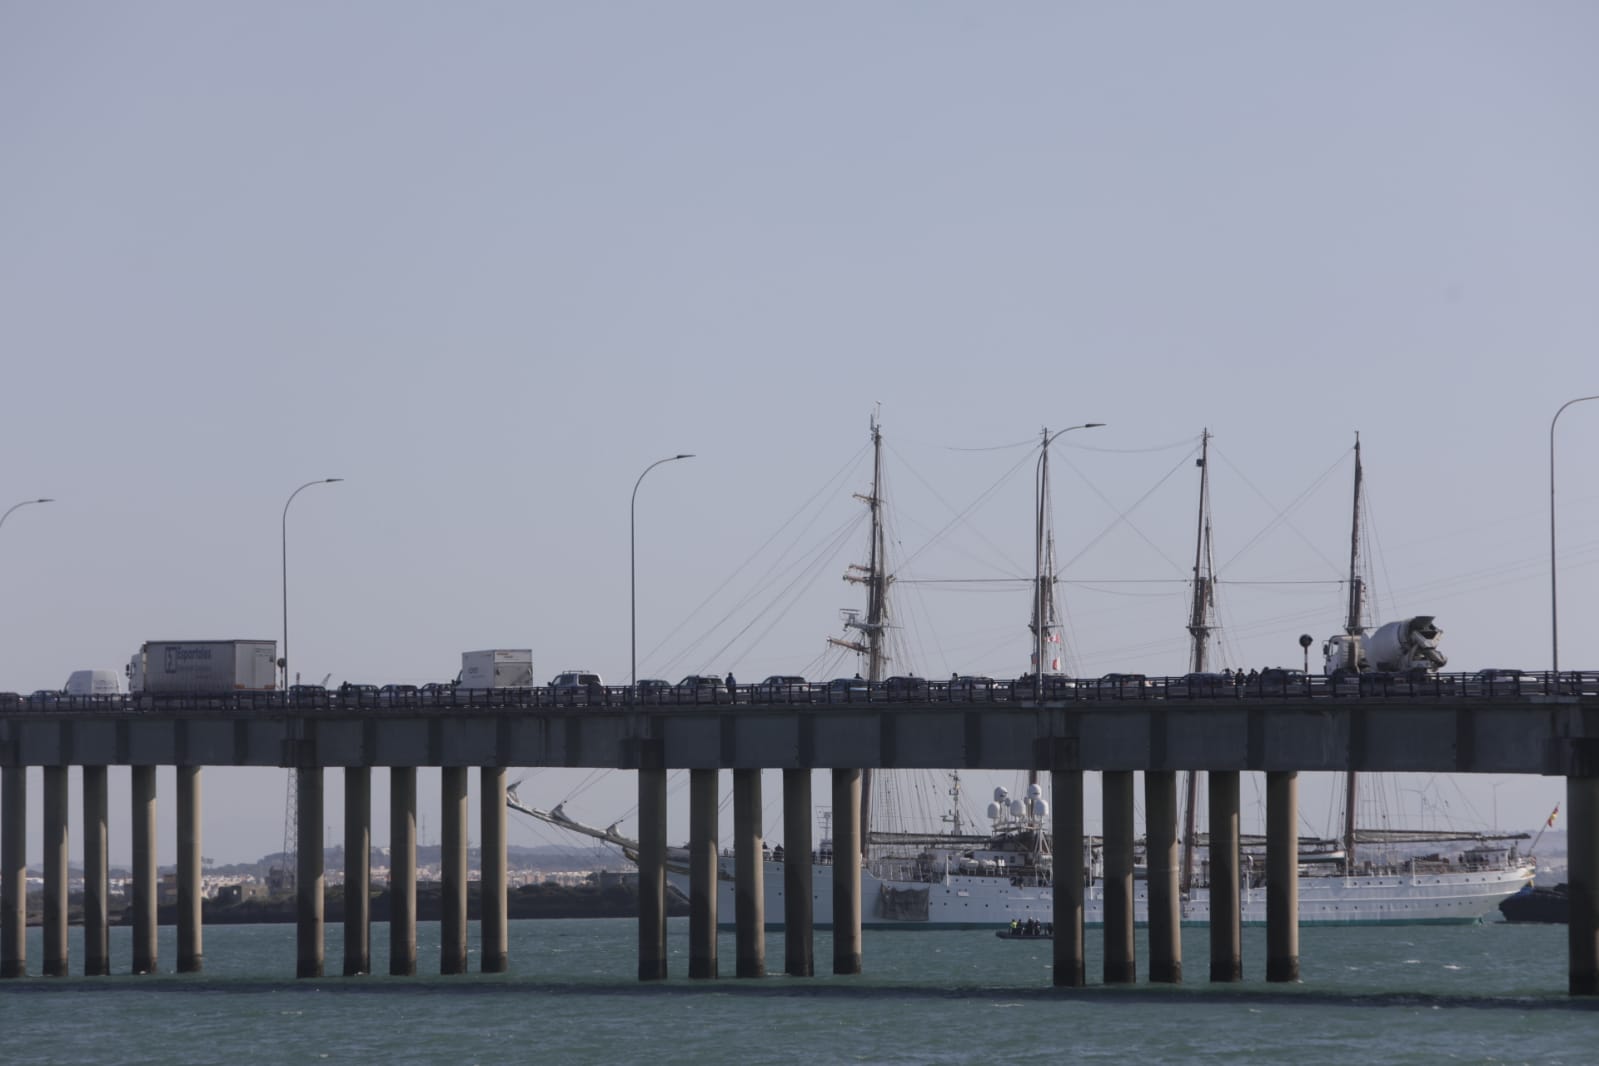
(732, 692)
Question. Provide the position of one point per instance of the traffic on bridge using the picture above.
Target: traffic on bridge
(577, 689)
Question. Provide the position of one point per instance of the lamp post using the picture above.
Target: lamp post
(285, 659)
(1040, 604)
(24, 503)
(1554, 611)
(632, 574)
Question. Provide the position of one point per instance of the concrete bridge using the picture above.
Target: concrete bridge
(1548, 726)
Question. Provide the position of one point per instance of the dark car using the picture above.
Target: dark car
(1055, 687)
(1500, 681)
(974, 687)
(1280, 681)
(848, 690)
(905, 687)
(1201, 685)
(399, 695)
(653, 690)
(577, 687)
(436, 692)
(700, 688)
(358, 695)
(308, 695)
(784, 688)
(1125, 686)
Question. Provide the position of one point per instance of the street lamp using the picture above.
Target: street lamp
(1554, 612)
(24, 503)
(1040, 479)
(632, 575)
(284, 661)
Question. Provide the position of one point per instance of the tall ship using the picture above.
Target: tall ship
(958, 879)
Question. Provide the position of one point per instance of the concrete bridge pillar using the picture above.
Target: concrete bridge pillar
(13, 871)
(652, 865)
(1226, 917)
(310, 875)
(55, 871)
(1071, 881)
(96, 874)
(846, 871)
(191, 953)
(1121, 965)
(1582, 879)
(1282, 875)
(702, 842)
(402, 871)
(799, 959)
(357, 870)
(144, 876)
(749, 874)
(452, 836)
(1165, 905)
(493, 928)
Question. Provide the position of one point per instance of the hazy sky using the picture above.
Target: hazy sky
(489, 261)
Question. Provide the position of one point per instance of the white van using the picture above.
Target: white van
(93, 683)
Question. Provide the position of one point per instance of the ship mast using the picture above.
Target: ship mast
(1043, 623)
(874, 577)
(1199, 630)
(1354, 629)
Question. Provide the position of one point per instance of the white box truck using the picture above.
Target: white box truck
(497, 668)
(204, 667)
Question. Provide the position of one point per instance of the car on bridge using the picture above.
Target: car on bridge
(1201, 685)
(1055, 687)
(308, 696)
(399, 695)
(1123, 686)
(1279, 681)
(358, 695)
(976, 688)
(577, 688)
(904, 687)
(1500, 681)
(848, 690)
(700, 688)
(653, 690)
(784, 688)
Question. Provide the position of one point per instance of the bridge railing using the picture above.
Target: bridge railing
(1276, 685)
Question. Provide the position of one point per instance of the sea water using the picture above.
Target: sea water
(1489, 993)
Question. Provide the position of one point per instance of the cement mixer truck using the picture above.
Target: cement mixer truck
(1401, 652)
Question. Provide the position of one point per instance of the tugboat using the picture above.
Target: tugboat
(1546, 906)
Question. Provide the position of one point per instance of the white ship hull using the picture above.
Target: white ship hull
(963, 901)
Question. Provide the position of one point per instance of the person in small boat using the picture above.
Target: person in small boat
(1015, 926)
